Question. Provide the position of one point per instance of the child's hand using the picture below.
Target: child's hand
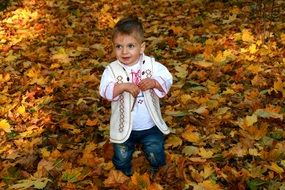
(147, 84)
(133, 89)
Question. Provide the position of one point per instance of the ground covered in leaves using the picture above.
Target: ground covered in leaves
(225, 109)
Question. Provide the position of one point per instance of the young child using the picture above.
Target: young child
(134, 83)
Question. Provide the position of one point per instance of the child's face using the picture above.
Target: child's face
(128, 48)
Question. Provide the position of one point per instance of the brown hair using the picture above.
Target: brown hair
(129, 25)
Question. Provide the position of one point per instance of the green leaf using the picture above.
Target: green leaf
(254, 184)
(190, 150)
(266, 114)
(71, 176)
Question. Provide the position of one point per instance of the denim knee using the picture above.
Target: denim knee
(153, 147)
(122, 158)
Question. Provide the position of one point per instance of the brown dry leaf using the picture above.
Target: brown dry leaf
(115, 178)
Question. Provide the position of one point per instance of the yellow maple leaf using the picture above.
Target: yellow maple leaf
(45, 153)
(255, 68)
(247, 36)
(33, 72)
(283, 38)
(200, 100)
(5, 126)
(210, 185)
(250, 120)
(278, 85)
(173, 141)
(205, 153)
(185, 98)
(10, 58)
(193, 137)
(208, 170)
(229, 91)
(212, 86)
(253, 152)
(21, 109)
(252, 49)
(274, 167)
(219, 57)
(61, 56)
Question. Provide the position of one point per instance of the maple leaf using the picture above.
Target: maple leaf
(210, 185)
(247, 35)
(173, 141)
(255, 68)
(205, 153)
(61, 55)
(21, 110)
(190, 150)
(204, 64)
(4, 77)
(274, 167)
(115, 178)
(182, 71)
(5, 126)
(190, 136)
(37, 183)
(142, 181)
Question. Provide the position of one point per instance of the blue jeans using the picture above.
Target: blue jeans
(152, 141)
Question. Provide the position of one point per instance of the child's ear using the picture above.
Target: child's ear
(142, 47)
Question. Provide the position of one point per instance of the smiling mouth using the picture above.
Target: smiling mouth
(125, 58)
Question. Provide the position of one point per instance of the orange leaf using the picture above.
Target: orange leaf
(193, 137)
(92, 123)
(176, 29)
(209, 185)
(141, 180)
(247, 36)
(115, 178)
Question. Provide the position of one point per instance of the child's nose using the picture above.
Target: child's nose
(125, 50)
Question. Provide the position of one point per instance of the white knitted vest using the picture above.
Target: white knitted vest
(121, 117)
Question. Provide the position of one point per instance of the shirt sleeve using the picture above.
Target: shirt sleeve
(107, 84)
(163, 77)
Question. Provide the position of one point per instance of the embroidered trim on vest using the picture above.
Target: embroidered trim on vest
(121, 106)
(148, 73)
(153, 95)
(122, 115)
